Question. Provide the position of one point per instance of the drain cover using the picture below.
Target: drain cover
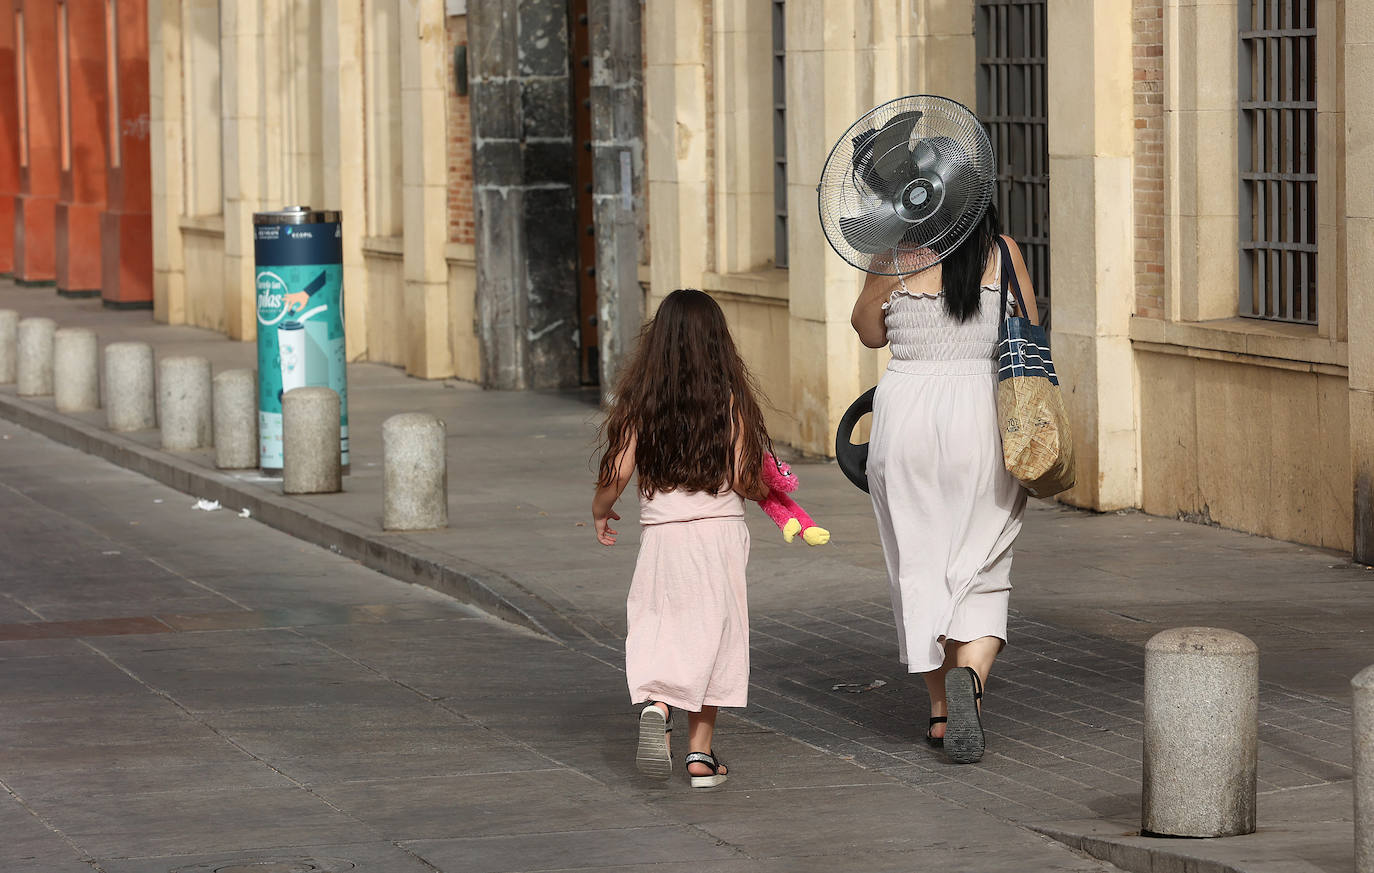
(273, 865)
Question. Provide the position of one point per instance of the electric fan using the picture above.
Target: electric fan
(905, 185)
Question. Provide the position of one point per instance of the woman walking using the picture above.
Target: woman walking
(947, 509)
(685, 418)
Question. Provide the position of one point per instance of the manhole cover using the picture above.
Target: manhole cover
(273, 865)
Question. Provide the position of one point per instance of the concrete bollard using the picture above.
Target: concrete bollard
(311, 458)
(1362, 735)
(184, 406)
(75, 370)
(9, 345)
(415, 472)
(1201, 733)
(236, 420)
(130, 399)
(33, 369)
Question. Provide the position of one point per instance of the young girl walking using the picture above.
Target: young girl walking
(685, 417)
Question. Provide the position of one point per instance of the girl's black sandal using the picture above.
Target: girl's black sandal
(710, 760)
(652, 758)
(931, 740)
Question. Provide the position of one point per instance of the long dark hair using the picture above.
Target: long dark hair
(962, 269)
(674, 397)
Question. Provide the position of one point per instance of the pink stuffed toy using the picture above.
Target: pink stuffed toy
(786, 514)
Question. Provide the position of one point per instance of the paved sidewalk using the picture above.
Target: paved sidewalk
(1064, 704)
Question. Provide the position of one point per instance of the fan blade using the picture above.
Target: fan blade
(875, 231)
(892, 159)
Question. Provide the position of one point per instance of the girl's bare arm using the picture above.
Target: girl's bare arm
(1018, 263)
(603, 504)
(867, 317)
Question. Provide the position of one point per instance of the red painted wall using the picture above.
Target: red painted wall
(35, 206)
(9, 136)
(84, 131)
(127, 224)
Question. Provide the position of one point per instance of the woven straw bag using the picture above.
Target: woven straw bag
(1037, 445)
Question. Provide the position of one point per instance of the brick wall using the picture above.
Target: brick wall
(460, 215)
(1148, 50)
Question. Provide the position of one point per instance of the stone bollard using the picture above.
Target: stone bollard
(1362, 735)
(75, 370)
(1201, 733)
(184, 406)
(236, 420)
(415, 472)
(33, 369)
(311, 459)
(9, 345)
(130, 400)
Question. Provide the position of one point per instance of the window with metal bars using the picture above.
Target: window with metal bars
(1010, 37)
(779, 133)
(1278, 160)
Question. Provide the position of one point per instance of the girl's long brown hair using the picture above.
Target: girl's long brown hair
(674, 396)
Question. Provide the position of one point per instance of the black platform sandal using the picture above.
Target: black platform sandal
(652, 758)
(964, 739)
(934, 741)
(710, 760)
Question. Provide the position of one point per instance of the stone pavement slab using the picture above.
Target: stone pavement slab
(1064, 705)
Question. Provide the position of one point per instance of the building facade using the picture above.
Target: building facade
(523, 180)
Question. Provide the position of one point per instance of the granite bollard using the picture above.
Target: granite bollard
(415, 472)
(75, 370)
(33, 370)
(236, 420)
(130, 398)
(311, 458)
(1362, 736)
(1201, 739)
(184, 406)
(9, 345)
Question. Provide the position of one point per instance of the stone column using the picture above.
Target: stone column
(76, 370)
(236, 420)
(184, 403)
(166, 143)
(1091, 143)
(1362, 734)
(618, 158)
(1201, 738)
(415, 471)
(1359, 229)
(34, 368)
(9, 345)
(311, 459)
(130, 396)
(522, 192)
(244, 101)
(35, 207)
(85, 135)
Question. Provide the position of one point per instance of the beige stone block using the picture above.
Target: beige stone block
(1359, 134)
(426, 233)
(1215, 82)
(664, 240)
(1361, 406)
(1112, 80)
(385, 324)
(947, 60)
(810, 391)
(688, 32)
(427, 330)
(1075, 360)
(1296, 489)
(944, 17)
(1218, 173)
(1360, 266)
(1218, 279)
(430, 106)
(1072, 106)
(692, 244)
(809, 144)
(1073, 270)
(1359, 20)
(660, 124)
(462, 307)
(1181, 56)
(1168, 436)
(689, 129)
(1332, 455)
(1113, 241)
(806, 23)
(1234, 444)
(1333, 30)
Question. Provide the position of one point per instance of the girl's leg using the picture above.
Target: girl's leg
(978, 654)
(701, 726)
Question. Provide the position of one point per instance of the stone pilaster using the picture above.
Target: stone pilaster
(242, 81)
(345, 168)
(166, 150)
(1359, 223)
(522, 179)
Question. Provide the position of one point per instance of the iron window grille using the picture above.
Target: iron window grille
(1010, 38)
(1278, 160)
(779, 133)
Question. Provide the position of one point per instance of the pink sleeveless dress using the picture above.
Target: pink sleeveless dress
(688, 612)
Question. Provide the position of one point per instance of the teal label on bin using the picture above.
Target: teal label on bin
(300, 324)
